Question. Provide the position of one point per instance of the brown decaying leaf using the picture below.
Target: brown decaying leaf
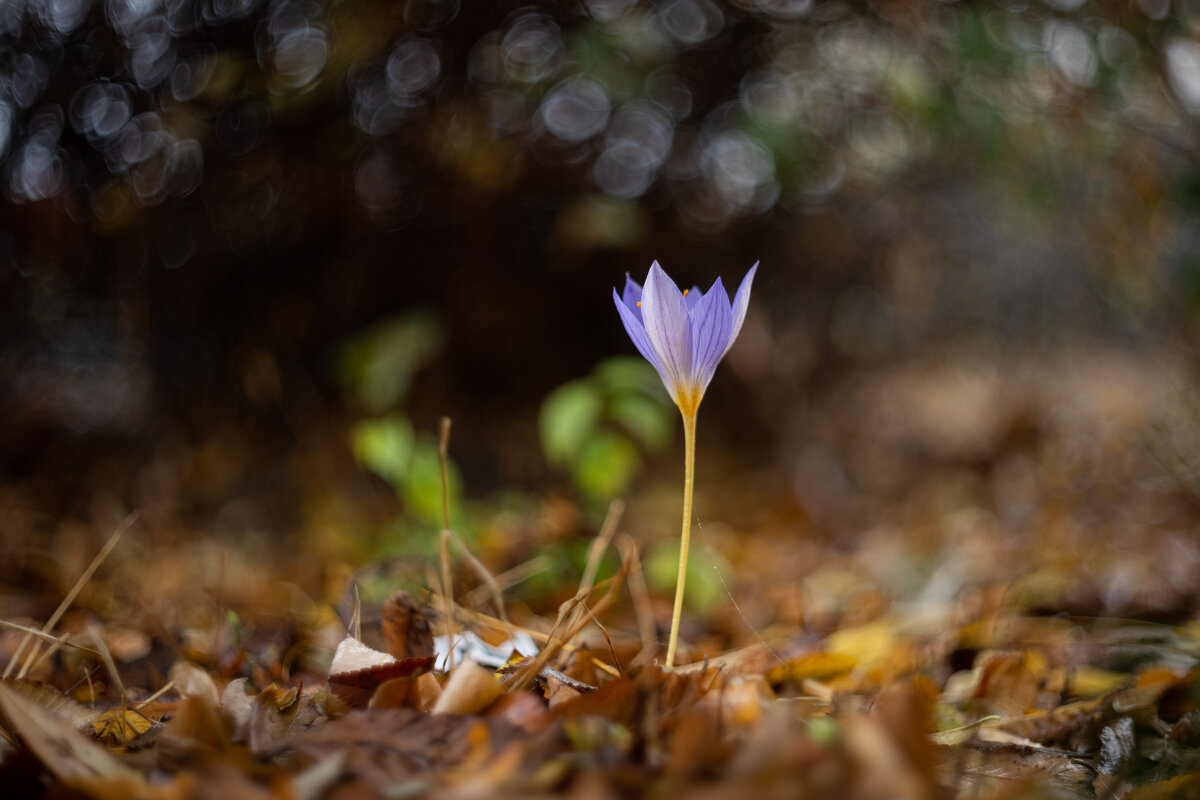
(197, 724)
(471, 689)
(276, 713)
(523, 710)
(559, 689)
(191, 680)
(50, 699)
(386, 747)
(236, 704)
(356, 688)
(61, 749)
(406, 627)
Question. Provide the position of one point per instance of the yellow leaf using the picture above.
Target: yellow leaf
(119, 726)
(865, 643)
(819, 666)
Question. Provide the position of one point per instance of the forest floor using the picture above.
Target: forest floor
(955, 578)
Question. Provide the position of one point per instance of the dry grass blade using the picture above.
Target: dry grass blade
(608, 529)
(356, 617)
(31, 659)
(640, 593)
(55, 641)
(507, 579)
(484, 575)
(168, 686)
(555, 644)
(109, 664)
(479, 618)
(446, 590)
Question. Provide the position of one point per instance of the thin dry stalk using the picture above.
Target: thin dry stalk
(446, 590)
(639, 592)
(55, 641)
(109, 664)
(479, 618)
(489, 581)
(555, 644)
(68, 600)
(445, 537)
(356, 616)
(508, 579)
(143, 703)
(608, 529)
(447, 587)
(596, 551)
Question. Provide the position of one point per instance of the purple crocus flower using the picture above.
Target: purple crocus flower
(683, 334)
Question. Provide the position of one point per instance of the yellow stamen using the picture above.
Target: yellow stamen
(639, 303)
(685, 291)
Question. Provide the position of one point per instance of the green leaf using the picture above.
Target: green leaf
(650, 421)
(568, 417)
(378, 365)
(704, 588)
(605, 465)
(422, 491)
(384, 446)
(621, 374)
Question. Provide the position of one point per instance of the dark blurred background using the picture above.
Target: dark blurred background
(231, 230)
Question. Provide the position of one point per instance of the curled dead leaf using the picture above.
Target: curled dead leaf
(471, 689)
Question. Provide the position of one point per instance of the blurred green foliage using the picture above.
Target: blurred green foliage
(377, 366)
(376, 369)
(704, 587)
(594, 428)
(407, 460)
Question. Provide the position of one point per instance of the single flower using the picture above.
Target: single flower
(683, 334)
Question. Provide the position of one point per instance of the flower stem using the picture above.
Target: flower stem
(689, 469)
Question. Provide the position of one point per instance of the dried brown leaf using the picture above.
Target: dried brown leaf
(277, 712)
(52, 700)
(356, 688)
(406, 627)
(471, 689)
(236, 704)
(60, 748)
(194, 681)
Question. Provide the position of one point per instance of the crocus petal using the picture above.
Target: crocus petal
(693, 297)
(632, 295)
(637, 332)
(712, 321)
(665, 315)
(741, 302)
